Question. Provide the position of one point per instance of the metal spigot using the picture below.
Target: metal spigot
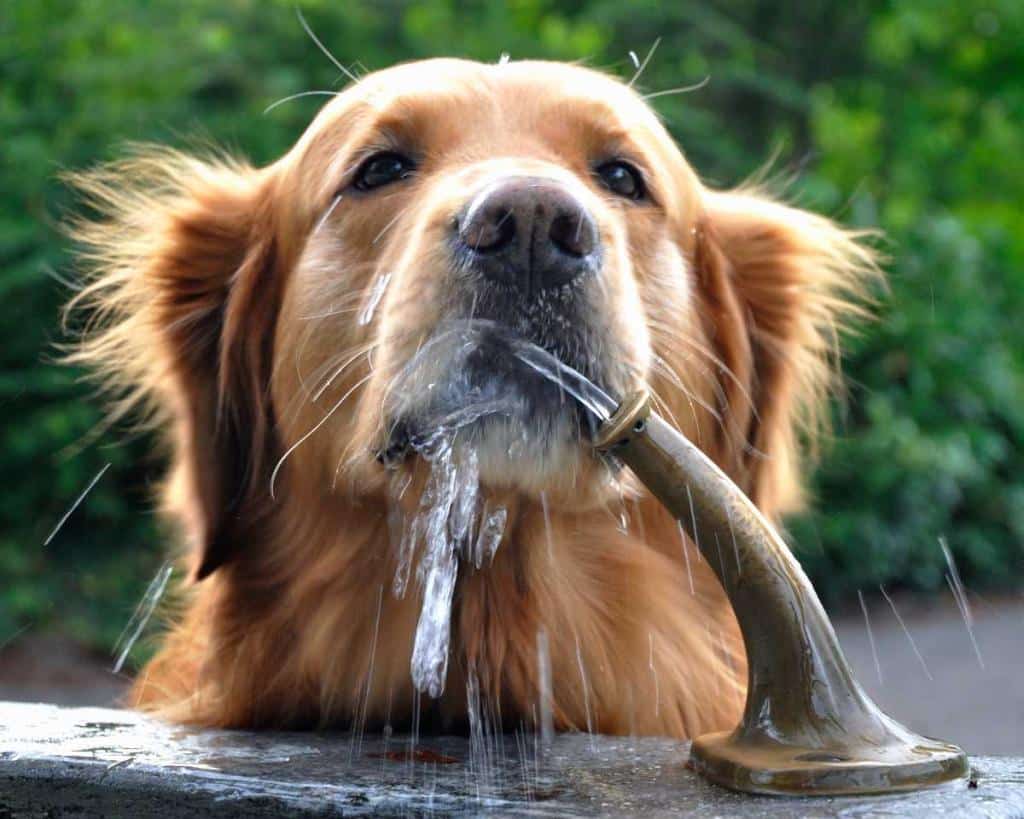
(808, 727)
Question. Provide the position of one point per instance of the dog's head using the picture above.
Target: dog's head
(294, 323)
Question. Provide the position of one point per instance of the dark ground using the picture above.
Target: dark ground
(978, 707)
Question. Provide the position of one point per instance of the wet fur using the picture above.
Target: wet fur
(224, 303)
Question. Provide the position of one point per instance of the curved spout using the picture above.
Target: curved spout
(808, 726)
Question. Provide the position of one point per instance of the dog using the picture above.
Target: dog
(260, 318)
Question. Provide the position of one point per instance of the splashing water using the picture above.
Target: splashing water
(481, 757)
(453, 521)
(492, 529)
(959, 595)
(438, 568)
(585, 391)
(686, 555)
(443, 528)
(75, 505)
(547, 722)
(547, 522)
(621, 513)
(141, 615)
(871, 636)
(376, 294)
(654, 673)
(906, 632)
(586, 692)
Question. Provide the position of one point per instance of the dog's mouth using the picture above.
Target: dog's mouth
(486, 384)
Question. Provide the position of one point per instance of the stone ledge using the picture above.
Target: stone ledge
(93, 762)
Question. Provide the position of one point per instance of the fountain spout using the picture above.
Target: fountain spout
(808, 727)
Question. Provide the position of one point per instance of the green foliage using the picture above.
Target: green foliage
(933, 445)
(903, 116)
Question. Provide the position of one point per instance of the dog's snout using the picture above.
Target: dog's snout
(530, 233)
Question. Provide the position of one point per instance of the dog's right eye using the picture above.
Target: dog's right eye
(382, 169)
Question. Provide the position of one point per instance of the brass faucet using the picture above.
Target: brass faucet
(808, 727)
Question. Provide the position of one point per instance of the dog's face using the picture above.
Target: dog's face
(543, 198)
(292, 324)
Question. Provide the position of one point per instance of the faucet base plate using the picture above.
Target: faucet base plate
(759, 765)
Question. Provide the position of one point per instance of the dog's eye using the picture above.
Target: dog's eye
(382, 169)
(622, 179)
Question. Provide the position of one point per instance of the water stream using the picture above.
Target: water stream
(444, 405)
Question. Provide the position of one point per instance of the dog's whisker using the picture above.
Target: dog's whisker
(387, 227)
(720, 365)
(683, 89)
(334, 375)
(734, 427)
(320, 423)
(327, 215)
(664, 407)
(641, 66)
(322, 371)
(299, 95)
(332, 311)
(323, 48)
(342, 304)
(662, 367)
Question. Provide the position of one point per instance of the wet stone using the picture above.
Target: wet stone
(91, 762)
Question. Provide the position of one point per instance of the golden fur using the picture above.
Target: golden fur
(224, 301)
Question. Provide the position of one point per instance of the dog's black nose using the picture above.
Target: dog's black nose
(529, 232)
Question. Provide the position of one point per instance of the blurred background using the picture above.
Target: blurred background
(904, 116)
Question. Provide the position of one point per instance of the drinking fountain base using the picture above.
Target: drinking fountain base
(761, 765)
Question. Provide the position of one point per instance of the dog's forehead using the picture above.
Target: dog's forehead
(462, 98)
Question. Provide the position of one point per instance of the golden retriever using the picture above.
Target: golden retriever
(261, 316)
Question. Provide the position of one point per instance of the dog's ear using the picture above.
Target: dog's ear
(181, 291)
(781, 284)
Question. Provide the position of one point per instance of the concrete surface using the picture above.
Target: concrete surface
(980, 706)
(92, 762)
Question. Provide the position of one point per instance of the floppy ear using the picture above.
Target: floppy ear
(182, 294)
(781, 284)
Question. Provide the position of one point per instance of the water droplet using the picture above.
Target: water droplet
(376, 294)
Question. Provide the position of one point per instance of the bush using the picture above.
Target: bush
(902, 116)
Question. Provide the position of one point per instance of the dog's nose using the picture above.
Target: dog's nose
(529, 232)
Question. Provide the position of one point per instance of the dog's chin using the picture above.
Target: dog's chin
(524, 431)
(530, 454)
(469, 387)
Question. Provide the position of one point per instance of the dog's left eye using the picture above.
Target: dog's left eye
(382, 169)
(622, 178)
